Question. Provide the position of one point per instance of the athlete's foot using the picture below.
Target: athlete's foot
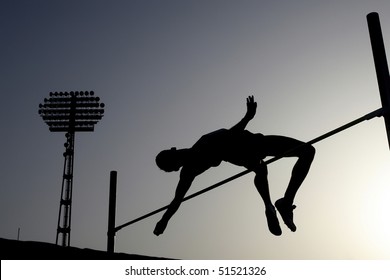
(286, 211)
(273, 222)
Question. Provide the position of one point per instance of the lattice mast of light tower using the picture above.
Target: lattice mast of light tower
(69, 112)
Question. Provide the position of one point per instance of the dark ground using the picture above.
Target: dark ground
(31, 250)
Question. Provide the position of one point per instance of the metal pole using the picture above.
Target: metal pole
(382, 70)
(376, 113)
(64, 217)
(111, 213)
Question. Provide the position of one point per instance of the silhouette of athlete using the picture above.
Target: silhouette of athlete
(243, 148)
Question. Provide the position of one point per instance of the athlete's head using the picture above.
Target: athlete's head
(169, 160)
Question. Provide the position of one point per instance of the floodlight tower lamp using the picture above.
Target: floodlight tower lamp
(70, 112)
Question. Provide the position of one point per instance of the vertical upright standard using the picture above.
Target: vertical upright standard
(381, 67)
(69, 112)
(111, 213)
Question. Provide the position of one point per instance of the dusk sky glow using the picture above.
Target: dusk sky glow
(169, 72)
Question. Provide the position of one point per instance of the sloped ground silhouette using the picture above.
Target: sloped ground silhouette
(32, 250)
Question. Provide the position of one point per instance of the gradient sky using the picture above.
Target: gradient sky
(170, 71)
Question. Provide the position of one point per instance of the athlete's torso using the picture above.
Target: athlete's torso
(236, 147)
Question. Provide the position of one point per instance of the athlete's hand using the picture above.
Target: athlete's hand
(251, 107)
(160, 227)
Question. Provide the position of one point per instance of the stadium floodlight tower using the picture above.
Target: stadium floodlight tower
(69, 112)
